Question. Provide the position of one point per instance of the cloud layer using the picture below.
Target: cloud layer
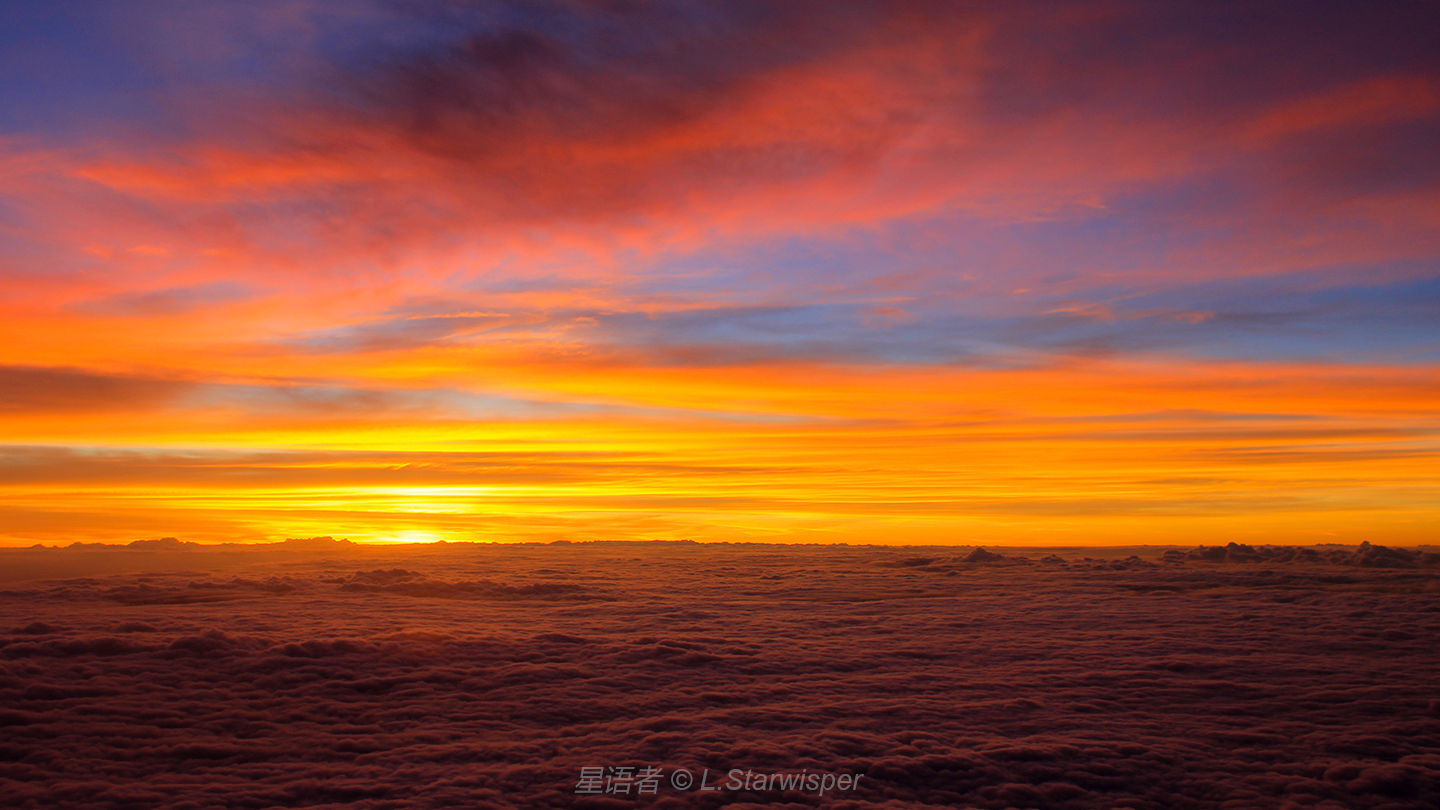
(317, 674)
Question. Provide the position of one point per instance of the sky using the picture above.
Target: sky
(913, 272)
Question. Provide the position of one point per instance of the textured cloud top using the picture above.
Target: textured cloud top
(318, 675)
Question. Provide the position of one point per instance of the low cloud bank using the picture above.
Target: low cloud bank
(489, 676)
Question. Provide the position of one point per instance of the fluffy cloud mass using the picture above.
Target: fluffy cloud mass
(320, 674)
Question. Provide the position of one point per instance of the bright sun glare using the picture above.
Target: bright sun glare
(414, 537)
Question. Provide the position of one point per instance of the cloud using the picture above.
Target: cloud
(674, 125)
(29, 389)
(1366, 555)
(840, 249)
(171, 301)
(1369, 103)
(1075, 682)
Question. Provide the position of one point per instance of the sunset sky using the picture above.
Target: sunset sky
(914, 272)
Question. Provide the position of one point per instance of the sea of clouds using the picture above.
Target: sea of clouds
(462, 676)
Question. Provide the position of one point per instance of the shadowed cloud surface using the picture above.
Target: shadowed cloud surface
(321, 674)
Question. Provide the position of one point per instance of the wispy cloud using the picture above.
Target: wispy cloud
(737, 235)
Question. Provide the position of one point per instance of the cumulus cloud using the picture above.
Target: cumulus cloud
(1366, 555)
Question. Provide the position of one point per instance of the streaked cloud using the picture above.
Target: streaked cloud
(842, 255)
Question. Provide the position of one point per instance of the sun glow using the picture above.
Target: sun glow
(919, 282)
(415, 536)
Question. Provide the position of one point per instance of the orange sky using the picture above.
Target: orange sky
(833, 273)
